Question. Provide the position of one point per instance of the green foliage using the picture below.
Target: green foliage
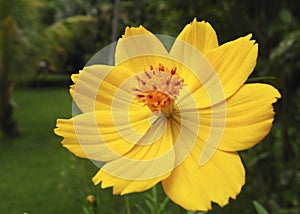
(259, 208)
(67, 39)
(152, 204)
(15, 46)
(7, 38)
(194, 212)
(287, 50)
(14, 54)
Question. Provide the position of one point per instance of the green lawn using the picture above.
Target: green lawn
(37, 174)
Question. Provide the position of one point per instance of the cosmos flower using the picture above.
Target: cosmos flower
(178, 117)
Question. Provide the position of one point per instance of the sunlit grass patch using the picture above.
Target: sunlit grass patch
(36, 173)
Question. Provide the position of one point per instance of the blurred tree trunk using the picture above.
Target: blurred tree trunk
(7, 35)
(115, 29)
(115, 22)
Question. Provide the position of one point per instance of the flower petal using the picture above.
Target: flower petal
(147, 163)
(194, 187)
(96, 87)
(123, 186)
(234, 62)
(200, 35)
(199, 76)
(138, 42)
(86, 84)
(249, 116)
(220, 73)
(97, 136)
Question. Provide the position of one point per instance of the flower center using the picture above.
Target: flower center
(158, 88)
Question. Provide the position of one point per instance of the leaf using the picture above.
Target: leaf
(163, 205)
(151, 206)
(87, 210)
(140, 209)
(259, 79)
(259, 208)
(286, 16)
(194, 212)
(288, 48)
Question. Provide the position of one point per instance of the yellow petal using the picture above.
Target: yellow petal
(124, 186)
(74, 78)
(199, 76)
(98, 86)
(194, 187)
(200, 35)
(234, 62)
(249, 116)
(98, 136)
(148, 162)
(86, 86)
(220, 73)
(238, 123)
(138, 42)
(205, 125)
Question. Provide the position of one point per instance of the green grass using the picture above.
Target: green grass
(37, 174)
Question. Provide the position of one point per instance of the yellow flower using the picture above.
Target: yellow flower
(178, 117)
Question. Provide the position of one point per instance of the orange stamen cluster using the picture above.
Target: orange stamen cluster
(155, 100)
(158, 87)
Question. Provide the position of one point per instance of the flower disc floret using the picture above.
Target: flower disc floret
(158, 88)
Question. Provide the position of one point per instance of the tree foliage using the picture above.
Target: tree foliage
(66, 41)
(14, 48)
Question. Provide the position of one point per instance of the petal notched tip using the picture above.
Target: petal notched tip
(59, 124)
(122, 186)
(252, 41)
(135, 31)
(74, 77)
(195, 21)
(277, 95)
(200, 35)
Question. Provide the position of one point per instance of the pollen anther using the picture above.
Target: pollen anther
(158, 87)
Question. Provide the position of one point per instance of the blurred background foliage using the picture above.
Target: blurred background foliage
(43, 42)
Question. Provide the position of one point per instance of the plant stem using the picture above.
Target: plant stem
(127, 204)
(154, 197)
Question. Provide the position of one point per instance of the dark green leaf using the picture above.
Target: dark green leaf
(259, 208)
